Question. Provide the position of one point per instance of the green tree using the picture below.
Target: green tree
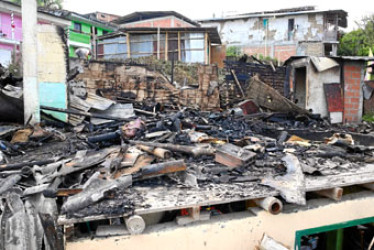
(359, 41)
(49, 4)
(233, 51)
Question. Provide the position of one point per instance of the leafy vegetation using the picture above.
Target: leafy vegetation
(368, 118)
(233, 51)
(359, 41)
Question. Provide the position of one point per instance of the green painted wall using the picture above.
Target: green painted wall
(327, 228)
(84, 36)
(71, 51)
(54, 95)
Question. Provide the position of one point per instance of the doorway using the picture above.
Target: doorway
(300, 87)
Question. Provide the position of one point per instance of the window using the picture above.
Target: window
(78, 27)
(105, 32)
(103, 16)
(291, 28)
(265, 23)
(192, 47)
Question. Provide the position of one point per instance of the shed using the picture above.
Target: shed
(330, 86)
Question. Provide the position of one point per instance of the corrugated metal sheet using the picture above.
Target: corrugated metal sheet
(117, 110)
(98, 102)
(323, 63)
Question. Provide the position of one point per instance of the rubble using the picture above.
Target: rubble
(142, 160)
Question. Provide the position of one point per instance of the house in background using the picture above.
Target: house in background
(162, 19)
(101, 16)
(191, 45)
(11, 29)
(282, 33)
(83, 31)
(166, 35)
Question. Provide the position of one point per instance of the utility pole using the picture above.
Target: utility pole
(30, 59)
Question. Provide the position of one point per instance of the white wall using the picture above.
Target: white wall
(242, 32)
(316, 99)
(5, 57)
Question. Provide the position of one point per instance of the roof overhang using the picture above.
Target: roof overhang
(147, 15)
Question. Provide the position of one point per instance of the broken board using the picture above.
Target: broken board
(334, 99)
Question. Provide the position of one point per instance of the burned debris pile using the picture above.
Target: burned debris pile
(113, 159)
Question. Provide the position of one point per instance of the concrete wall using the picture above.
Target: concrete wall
(240, 231)
(315, 95)
(316, 99)
(251, 35)
(52, 69)
(353, 97)
(117, 79)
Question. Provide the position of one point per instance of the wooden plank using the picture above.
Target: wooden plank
(163, 199)
(206, 49)
(341, 180)
(159, 199)
(179, 47)
(166, 46)
(237, 82)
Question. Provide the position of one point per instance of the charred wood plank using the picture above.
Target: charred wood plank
(196, 151)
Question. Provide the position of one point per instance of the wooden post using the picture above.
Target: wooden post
(128, 45)
(166, 46)
(179, 47)
(206, 48)
(158, 43)
(307, 89)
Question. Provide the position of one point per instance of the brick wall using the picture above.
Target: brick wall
(352, 92)
(119, 80)
(166, 22)
(244, 71)
(257, 50)
(283, 52)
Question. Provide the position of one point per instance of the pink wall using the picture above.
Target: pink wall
(6, 46)
(166, 22)
(6, 28)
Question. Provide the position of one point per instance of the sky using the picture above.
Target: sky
(201, 9)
